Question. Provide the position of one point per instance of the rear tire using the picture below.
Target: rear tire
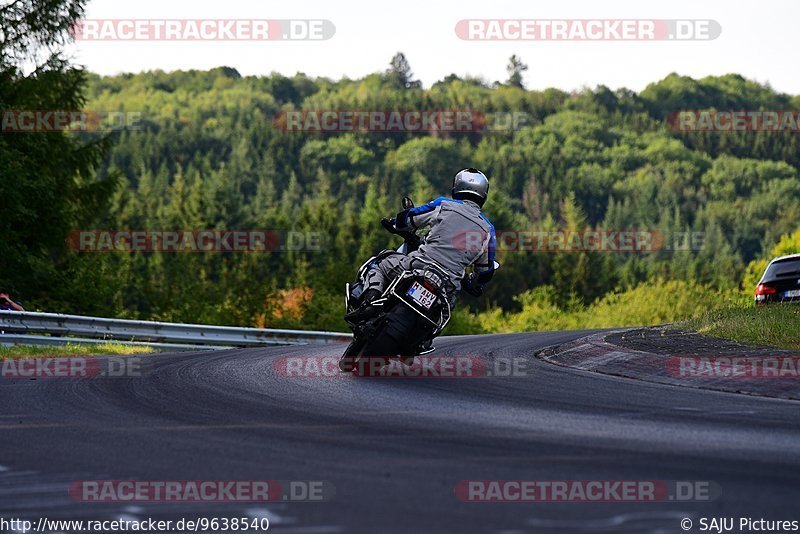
(400, 332)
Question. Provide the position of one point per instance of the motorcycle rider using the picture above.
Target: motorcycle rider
(460, 236)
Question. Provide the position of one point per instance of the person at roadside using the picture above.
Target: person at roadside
(6, 302)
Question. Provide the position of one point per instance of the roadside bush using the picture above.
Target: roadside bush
(647, 304)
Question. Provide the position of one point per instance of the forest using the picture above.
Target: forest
(208, 151)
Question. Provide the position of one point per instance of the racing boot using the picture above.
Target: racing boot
(365, 309)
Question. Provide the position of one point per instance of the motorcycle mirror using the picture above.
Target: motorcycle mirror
(407, 203)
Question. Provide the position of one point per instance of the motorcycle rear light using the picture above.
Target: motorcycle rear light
(763, 289)
(428, 285)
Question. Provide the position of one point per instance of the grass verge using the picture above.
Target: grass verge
(101, 349)
(777, 325)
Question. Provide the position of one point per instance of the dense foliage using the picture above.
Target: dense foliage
(209, 154)
(48, 183)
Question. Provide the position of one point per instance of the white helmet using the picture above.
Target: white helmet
(471, 184)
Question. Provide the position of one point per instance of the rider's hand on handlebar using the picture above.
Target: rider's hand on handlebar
(388, 223)
(470, 286)
(407, 232)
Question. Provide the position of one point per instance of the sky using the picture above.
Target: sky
(759, 40)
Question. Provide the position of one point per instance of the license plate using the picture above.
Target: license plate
(421, 296)
(792, 294)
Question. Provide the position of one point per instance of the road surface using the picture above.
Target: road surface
(395, 449)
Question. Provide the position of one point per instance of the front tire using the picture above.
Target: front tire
(348, 360)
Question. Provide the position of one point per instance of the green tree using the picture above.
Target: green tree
(578, 275)
(515, 70)
(399, 73)
(48, 184)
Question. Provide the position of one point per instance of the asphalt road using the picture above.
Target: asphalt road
(395, 448)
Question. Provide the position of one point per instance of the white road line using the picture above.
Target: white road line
(133, 509)
(265, 513)
(615, 521)
(322, 529)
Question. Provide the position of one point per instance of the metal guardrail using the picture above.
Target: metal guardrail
(49, 329)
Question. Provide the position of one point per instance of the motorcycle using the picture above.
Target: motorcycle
(409, 314)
